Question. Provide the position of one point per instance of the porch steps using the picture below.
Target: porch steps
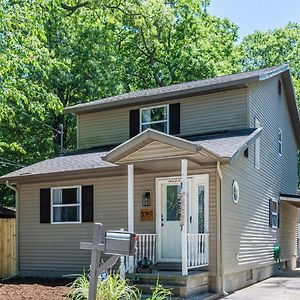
(166, 266)
(196, 283)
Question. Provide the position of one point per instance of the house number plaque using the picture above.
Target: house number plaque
(147, 214)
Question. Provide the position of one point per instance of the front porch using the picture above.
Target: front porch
(197, 249)
(179, 204)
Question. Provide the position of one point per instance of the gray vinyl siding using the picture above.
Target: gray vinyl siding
(207, 113)
(53, 250)
(248, 239)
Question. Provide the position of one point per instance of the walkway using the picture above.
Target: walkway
(285, 286)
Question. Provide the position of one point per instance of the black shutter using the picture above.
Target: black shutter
(174, 118)
(45, 205)
(87, 198)
(134, 122)
(278, 214)
(270, 212)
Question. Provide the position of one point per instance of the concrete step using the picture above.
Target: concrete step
(195, 283)
(167, 266)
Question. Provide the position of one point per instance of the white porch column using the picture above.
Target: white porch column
(131, 209)
(184, 191)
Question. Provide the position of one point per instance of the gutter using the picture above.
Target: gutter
(220, 232)
(14, 188)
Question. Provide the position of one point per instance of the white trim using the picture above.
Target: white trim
(257, 146)
(280, 146)
(130, 212)
(199, 179)
(155, 122)
(66, 205)
(186, 201)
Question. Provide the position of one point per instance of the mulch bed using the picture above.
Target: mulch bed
(33, 289)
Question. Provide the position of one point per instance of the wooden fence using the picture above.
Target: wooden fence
(7, 247)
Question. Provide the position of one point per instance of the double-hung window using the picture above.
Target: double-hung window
(274, 213)
(66, 205)
(155, 118)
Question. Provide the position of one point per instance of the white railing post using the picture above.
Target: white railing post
(131, 209)
(122, 264)
(184, 211)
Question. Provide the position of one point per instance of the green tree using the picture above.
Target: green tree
(55, 54)
(275, 47)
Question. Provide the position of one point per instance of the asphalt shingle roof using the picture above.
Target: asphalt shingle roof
(181, 88)
(224, 144)
(75, 162)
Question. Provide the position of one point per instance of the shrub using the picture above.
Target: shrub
(113, 288)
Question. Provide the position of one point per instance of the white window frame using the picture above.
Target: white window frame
(275, 213)
(154, 122)
(67, 205)
(257, 146)
(280, 149)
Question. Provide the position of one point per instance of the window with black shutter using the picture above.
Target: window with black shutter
(67, 204)
(164, 118)
(87, 203)
(174, 118)
(45, 205)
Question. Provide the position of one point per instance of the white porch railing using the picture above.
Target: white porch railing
(146, 247)
(197, 250)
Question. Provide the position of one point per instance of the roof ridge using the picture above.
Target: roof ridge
(259, 74)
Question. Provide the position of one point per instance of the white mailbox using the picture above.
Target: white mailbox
(120, 243)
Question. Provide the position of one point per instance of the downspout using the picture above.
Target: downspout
(14, 188)
(220, 174)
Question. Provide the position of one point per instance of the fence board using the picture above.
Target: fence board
(7, 247)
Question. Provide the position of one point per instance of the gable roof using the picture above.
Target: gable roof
(189, 89)
(181, 90)
(221, 146)
(226, 145)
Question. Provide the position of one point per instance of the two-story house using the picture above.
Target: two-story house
(205, 173)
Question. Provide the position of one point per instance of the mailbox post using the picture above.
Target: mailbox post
(117, 243)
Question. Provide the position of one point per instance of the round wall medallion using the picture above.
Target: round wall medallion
(235, 192)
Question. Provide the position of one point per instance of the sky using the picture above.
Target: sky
(251, 15)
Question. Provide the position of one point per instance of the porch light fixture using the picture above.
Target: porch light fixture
(146, 199)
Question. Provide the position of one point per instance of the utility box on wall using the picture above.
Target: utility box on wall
(120, 243)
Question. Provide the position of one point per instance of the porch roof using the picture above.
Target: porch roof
(103, 161)
(222, 146)
(291, 199)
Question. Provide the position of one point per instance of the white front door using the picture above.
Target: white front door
(168, 213)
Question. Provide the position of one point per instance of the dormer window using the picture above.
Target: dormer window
(155, 117)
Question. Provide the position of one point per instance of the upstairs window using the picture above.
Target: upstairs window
(257, 146)
(66, 205)
(273, 213)
(155, 117)
(279, 141)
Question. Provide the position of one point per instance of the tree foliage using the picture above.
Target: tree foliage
(56, 53)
